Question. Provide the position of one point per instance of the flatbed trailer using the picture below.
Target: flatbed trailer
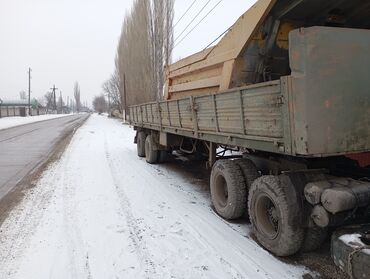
(294, 128)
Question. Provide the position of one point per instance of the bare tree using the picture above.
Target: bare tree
(77, 95)
(162, 40)
(111, 88)
(100, 104)
(144, 49)
(41, 101)
(49, 101)
(168, 32)
(60, 104)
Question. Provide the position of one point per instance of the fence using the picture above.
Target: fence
(8, 111)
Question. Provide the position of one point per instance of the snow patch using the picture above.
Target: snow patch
(352, 240)
(102, 212)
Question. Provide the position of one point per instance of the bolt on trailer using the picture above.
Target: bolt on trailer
(288, 86)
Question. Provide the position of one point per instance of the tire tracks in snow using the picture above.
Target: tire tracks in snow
(229, 268)
(75, 242)
(132, 223)
(234, 269)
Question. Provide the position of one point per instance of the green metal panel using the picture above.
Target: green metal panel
(250, 117)
(322, 109)
(330, 90)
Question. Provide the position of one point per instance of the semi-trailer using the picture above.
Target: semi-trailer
(288, 86)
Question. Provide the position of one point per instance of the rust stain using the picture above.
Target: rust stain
(282, 40)
(295, 56)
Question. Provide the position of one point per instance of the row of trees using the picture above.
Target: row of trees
(100, 104)
(144, 49)
(52, 102)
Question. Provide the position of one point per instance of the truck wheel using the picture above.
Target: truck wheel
(228, 189)
(249, 170)
(140, 144)
(275, 215)
(151, 154)
(163, 156)
(313, 238)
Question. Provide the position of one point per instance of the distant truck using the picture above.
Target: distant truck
(289, 87)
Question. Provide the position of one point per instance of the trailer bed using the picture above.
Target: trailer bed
(321, 109)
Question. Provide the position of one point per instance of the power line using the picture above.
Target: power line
(187, 34)
(194, 18)
(223, 33)
(185, 13)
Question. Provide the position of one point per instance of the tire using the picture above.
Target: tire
(228, 189)
(314, 238)
(349, 257)
(249, 170)
(276, 215)
(163, 156)
(140, 143)
(151, 154)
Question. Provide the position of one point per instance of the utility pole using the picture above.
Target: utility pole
(54, 96)
(61, 101)
(29, 91)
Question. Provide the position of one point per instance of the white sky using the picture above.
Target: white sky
(64, 41)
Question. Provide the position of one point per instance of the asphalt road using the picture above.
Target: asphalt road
(24, 148)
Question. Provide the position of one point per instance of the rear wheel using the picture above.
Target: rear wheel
(275, 215)
(163, 156)
(140, 143)
(151, 154)
(249, 170)
(228, 189)
(314, 238)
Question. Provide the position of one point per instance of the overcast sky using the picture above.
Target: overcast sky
(64, 41)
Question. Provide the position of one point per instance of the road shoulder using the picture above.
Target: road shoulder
(15, 196)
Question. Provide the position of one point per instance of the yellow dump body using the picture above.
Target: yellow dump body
(255, 49)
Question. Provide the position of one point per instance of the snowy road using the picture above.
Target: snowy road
(14, 121)
(101, 212)
(23, 148)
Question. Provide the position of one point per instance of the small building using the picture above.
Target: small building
(20, 108)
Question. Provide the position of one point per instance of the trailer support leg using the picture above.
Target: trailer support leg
(212, 155)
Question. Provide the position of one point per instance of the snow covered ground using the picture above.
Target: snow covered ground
(7, 122)
(102, 212)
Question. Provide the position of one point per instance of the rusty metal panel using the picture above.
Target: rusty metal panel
(164, 114)
(147, 113)
(155, 113)
(252, 113)
(186, 114)
(206, 115)
(262, 108)
(173, 114)
(330, 91)
(228, 113)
